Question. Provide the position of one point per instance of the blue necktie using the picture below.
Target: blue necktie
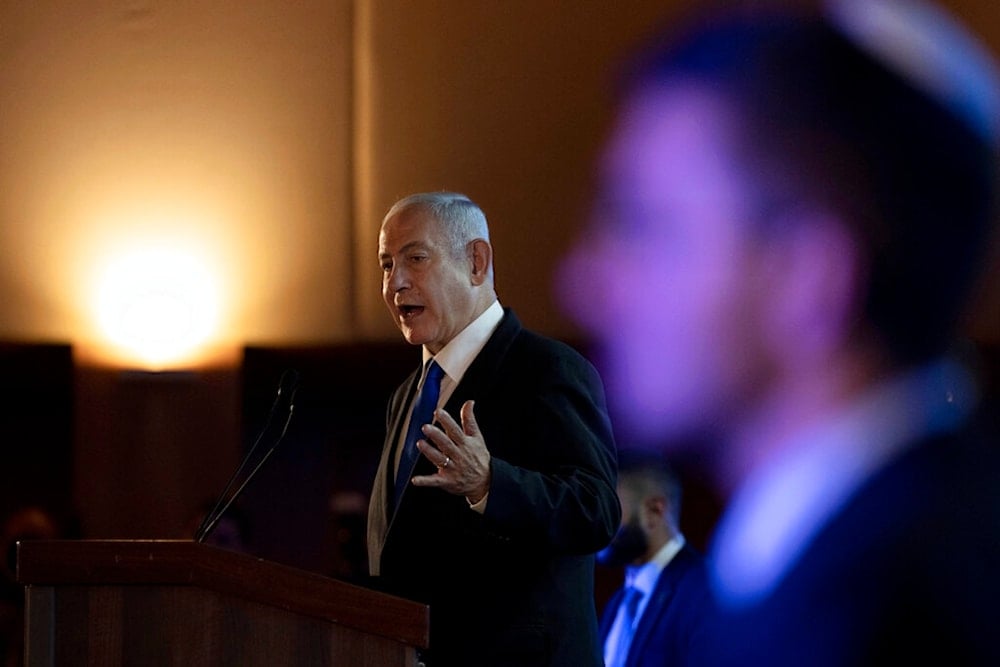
(628, 608)
(423, 413)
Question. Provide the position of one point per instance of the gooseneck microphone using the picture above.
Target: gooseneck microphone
(287, 387)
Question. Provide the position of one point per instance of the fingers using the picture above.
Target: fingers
(434, 455)
(442, 461)
(439, 438)
(442, 444)
(469, 424)
(455, 432)
(459, 453)
(447, 424)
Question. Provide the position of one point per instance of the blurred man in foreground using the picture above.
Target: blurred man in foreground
(793, 211)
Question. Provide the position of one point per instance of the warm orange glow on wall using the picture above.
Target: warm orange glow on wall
(159, 304)
(152, 285)
(216, 133)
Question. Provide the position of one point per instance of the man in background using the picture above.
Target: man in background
(794, 208)
(659, 615)
(496, 484)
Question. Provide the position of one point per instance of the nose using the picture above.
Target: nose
(581, 285)
(395, 280)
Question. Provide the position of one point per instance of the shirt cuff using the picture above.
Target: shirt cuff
(479, 507)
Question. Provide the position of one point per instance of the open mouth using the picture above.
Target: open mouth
(407, 312)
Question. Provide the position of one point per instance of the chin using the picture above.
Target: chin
(657, 422)
(412, 336)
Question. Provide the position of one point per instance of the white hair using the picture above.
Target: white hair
(463, 221)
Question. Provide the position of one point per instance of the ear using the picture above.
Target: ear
(481, 254)
(814, 291)
(654, 510)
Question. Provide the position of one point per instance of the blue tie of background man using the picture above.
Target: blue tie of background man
(423, 413)
(629, 606)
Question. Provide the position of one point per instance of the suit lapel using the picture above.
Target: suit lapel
(486, 366)
(378, 505)
(610, 611)
(479, 374)
(659, 599)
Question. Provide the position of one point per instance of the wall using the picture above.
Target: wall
(505, 101)
(223, 125)
(273, 135)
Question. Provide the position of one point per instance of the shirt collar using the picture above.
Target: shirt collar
(777, 512)
(456, 357)
(644, 576)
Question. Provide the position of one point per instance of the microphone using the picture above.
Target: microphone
(287, 386)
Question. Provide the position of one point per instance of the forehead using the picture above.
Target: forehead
(671, 142)
(627, 495)
(411, 227)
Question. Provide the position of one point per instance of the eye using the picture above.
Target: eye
(386, 267)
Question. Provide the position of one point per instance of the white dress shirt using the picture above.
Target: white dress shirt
(777, 512)
(642, 577)
(454, 359)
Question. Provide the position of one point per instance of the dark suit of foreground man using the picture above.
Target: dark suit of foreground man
(793, 214)
(514, 489)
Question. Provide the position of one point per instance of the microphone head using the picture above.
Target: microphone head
(289, 382)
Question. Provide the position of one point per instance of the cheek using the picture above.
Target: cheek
(677, 350)
(604, 290)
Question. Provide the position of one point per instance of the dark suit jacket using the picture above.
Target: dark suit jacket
(910, 568)
(513, 586)
(675, 617)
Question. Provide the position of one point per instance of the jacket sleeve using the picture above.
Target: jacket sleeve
(554, 476)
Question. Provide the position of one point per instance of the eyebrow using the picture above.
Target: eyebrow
(412, 245)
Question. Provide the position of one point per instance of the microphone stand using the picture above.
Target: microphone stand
(288, 384)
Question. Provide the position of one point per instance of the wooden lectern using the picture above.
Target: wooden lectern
(154, 602)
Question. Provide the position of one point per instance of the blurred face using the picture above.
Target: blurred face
(429, 292)
(630, 544)
(665, 280)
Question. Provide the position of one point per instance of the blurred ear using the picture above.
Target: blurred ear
(654, 510)
(813, 295)
(481, 254)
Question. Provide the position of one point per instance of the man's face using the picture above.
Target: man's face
(630, 544)
(665, 280)
(429, 292)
